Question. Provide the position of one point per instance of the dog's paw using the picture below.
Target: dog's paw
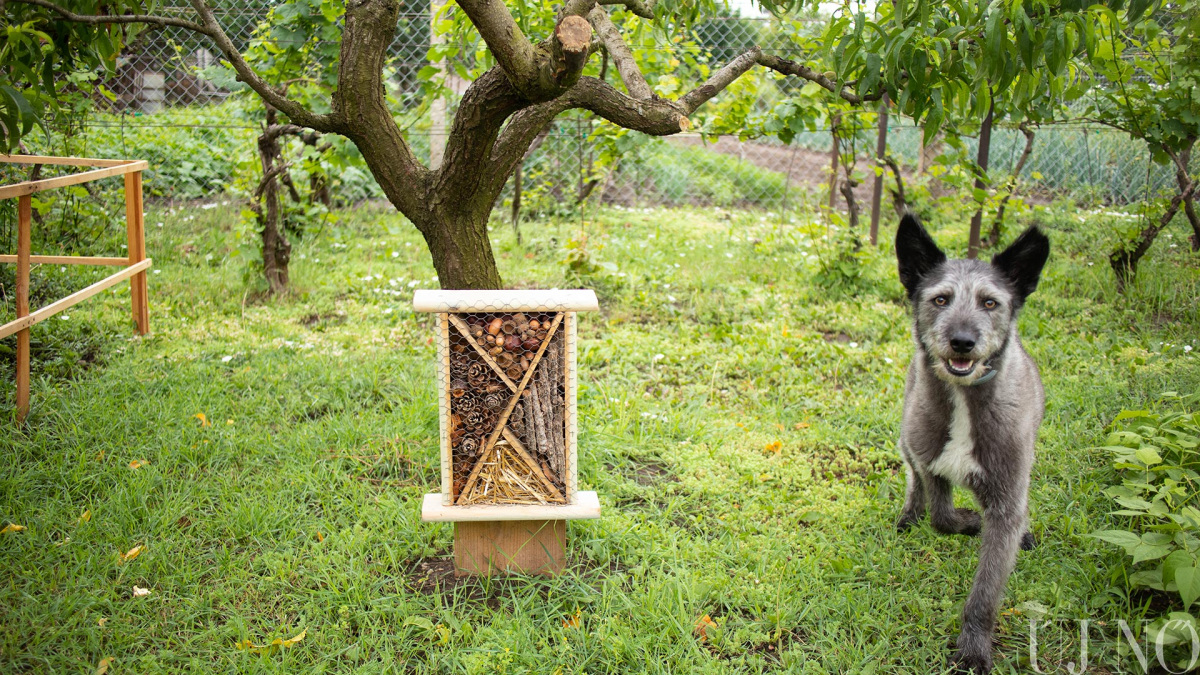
(1028, 542)
(962, 661)
(906, 521)
(969, 522)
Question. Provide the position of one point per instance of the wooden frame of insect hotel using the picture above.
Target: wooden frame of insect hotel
(506, 381)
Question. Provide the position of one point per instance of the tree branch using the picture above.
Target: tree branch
(622, 56)
(789, 67)
(515, 142)
(99, 19)
(720, 80)
(643, 8)
(539, 72)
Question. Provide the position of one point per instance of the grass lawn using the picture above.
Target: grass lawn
(740, 397)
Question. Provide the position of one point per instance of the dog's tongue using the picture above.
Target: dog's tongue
(961, 364)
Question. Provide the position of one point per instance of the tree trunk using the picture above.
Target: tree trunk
(276, 251)
(880, 155)
(516, 202)
(985, 145)
(1182, 159)
(462, 252)
(1124, 261)
(835, 154)
(997, 230)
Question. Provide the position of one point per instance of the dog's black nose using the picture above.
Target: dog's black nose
(962, 342)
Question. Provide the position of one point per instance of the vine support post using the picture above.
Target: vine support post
(880, 154)
(136, 228)
(24, 248)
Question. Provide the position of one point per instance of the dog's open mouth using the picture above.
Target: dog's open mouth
(960, 367)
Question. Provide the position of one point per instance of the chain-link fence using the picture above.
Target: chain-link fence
(164, 109)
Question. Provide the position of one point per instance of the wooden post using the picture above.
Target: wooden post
(525, 546)
(24, 249)
(136, 228)
(880, 153)
(985, 144)
(437, 107)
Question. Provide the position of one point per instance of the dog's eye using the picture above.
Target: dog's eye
(989, 304)
(940, 301)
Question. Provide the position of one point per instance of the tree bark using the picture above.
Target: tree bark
(985, 145)
(835, 154)
(880, 155)
(997, 230)
(276, 250)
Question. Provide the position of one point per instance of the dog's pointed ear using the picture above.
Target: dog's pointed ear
(1023, 260)
(916, 253)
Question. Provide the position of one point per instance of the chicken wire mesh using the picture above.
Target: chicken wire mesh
(506, 414)
(167, 110)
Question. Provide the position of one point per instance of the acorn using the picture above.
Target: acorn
(512, 343)
(524, 363)
(534, 325)
(458, 349)
(508, 327)
(496, 350)
(457, 388)
(531, 343)
(493, 328)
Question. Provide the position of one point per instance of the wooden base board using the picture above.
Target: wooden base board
(525, 546)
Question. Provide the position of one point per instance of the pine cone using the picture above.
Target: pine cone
(477, 374)
(475, 419)
(466, 404)
(470, 446)
(494, 401)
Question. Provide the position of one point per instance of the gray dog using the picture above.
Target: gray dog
(972, 406)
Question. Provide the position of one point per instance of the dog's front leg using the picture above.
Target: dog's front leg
(914, 499)
(1003, 527)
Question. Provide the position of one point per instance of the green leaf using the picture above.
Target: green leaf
(1143, 552)
(1188, 580)
(419, 621)
(1126, 540)
(1148, 455)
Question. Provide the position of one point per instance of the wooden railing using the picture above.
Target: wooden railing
(136, 263)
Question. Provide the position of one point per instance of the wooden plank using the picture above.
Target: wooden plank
(24, 244)
(570, 387)
(63, 161)
(443, 389)
(68, 260)
(571, 300)
(525, 547)
(32, 187)
(487, 358)
(512, 403)
(72, 299)
(136, 233)
(586, 507)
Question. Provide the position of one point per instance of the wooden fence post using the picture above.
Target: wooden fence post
(880, 153)
(24, 248)
(136, 227)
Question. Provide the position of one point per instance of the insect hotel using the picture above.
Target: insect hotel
(506, 408)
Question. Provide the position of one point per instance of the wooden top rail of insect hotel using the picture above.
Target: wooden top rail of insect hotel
(136, 263)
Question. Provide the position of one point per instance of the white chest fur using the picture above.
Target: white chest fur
(957, 461)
